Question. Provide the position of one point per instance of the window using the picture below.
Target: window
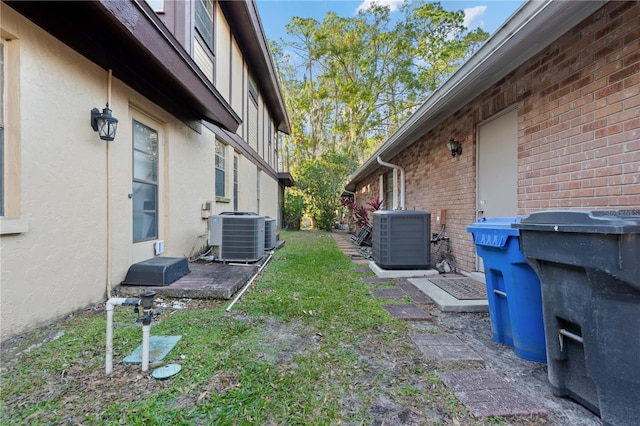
(220, 169)
(11, 220)
(269, 146)
(204, 21)
(145, 183)
(252, 114)
(236, 162)
(253, 90)
(388, 191)
(1, 129)
(156, 5)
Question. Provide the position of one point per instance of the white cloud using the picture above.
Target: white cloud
(366, 4)
(473, 14)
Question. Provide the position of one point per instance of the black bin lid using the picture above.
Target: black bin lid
(591, 222)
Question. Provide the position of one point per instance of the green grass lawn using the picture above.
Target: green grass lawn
(307, 344)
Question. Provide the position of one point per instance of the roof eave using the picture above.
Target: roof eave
(129, 38)
(529, 30)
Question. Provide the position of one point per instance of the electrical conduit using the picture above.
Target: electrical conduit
(249, 283)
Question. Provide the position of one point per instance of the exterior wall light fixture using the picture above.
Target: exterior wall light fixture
(104, 123)
(454, 147)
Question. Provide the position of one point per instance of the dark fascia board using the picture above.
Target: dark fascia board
(286, 179)
(129, 38)
(246, 26)
(529, 30)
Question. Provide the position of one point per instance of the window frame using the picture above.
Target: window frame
(220, 170)
(236, 176)
(2, 119)
(155, 184)
(208, 40)
(252, 89)
(12, 221)
(156, 5)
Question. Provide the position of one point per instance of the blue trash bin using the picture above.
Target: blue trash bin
(513, 288)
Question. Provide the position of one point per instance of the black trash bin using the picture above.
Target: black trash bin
(589, 269)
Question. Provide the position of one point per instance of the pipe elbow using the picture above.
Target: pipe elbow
(121, 301)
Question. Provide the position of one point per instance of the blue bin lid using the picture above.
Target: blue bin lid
(494, 232)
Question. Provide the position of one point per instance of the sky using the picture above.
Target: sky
(275, 14)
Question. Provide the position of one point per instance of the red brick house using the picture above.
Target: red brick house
(547, 114)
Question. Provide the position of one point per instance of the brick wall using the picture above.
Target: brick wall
(579, 117)
(578, 104)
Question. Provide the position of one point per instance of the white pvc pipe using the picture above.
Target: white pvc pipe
(146, 331)
(244, 289)
(394, 166)
(111, 304)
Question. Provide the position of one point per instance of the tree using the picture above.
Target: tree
(322, 179)
(351, 82)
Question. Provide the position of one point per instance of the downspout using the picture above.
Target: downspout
(108, 197)
(352, 193)
(393, 166)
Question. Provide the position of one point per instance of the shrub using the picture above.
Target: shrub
(294, 208)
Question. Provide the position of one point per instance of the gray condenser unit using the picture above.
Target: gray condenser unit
(270, 235)
(237, 238)
(400, 239)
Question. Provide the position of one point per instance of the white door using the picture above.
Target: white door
(498, 168)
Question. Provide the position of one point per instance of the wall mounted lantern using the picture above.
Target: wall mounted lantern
(104, 123)
(454, 147)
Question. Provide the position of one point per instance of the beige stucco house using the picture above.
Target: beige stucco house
(199, 113)
(547, 114)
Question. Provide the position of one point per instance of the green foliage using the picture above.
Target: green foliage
(294, 208)
(348, 83)
(322, 179)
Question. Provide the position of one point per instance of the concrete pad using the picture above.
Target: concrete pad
(399, 273)
(445, 301)
(487, 394)
(206, 281)
(360, 261)
(409, 312)
(444, 347)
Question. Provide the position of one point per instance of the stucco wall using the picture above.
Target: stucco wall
(59, 265)
(578, 106)
(269, 198)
